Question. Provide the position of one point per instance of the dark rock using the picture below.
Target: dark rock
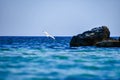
(89, 38)
(108, 43)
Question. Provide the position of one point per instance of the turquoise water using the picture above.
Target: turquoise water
(41, 58)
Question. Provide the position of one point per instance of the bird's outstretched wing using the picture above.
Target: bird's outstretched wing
(48, 35)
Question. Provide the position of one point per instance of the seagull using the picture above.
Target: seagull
(48, 35)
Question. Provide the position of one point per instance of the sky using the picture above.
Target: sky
(57, 17)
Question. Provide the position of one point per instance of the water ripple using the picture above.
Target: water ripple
(38, 58)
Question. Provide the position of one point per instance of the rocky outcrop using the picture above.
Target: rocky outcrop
(91, 37)
(99, 37)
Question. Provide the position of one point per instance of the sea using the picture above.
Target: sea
(43, 58)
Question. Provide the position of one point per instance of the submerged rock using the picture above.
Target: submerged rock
(89, 38)
(108, 43)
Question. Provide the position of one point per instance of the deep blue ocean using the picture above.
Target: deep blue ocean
(42, 58)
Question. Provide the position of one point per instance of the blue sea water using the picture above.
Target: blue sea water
(42, 58)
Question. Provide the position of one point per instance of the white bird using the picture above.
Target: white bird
(48, 35)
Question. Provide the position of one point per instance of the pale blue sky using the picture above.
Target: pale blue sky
(58, 17)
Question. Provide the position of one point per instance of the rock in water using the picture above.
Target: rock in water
(89, 38)
(108, 43)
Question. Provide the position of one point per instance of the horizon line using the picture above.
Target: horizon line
(42, 36)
